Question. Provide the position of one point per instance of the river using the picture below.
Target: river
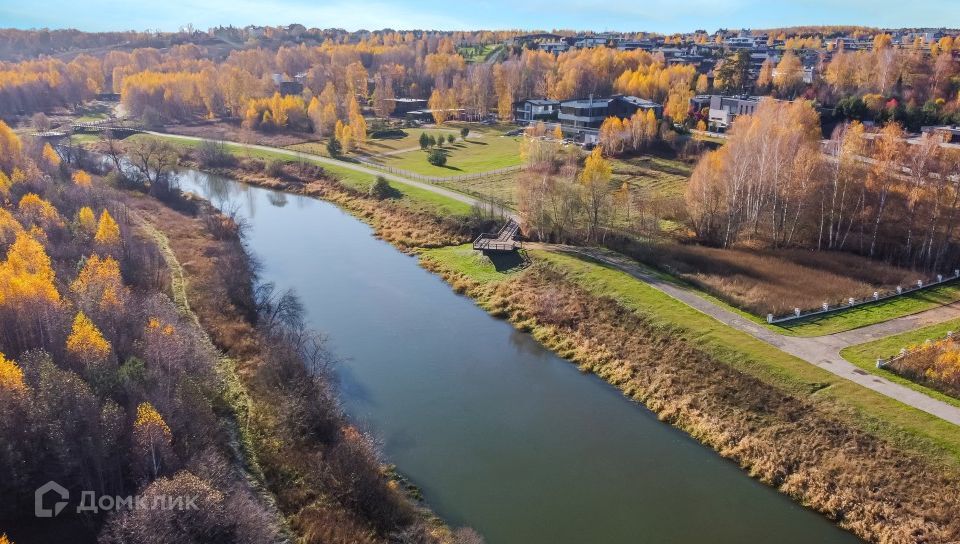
(499, 433)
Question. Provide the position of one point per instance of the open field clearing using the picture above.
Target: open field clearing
(472, 156)
(653, 174)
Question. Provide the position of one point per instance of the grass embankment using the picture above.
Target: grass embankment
(323, 472)
(865, 355)
(409, 196)
(883, 470)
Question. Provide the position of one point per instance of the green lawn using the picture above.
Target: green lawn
(475, 155)
(473, 264)
(478, 53)
(868, 410)
(879, 312)
(865, 355)
(411, 196)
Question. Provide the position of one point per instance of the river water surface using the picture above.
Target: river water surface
(499, 433)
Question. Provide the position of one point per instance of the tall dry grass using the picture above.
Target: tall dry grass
(863, 483)
(773, 281)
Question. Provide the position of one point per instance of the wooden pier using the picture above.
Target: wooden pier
(503, 241)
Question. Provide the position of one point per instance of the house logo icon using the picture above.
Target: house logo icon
(38, 508)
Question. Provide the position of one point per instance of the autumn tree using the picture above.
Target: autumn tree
(595, 180)
(86, 344)
(152, 437)
(108, 232)
(788, 78)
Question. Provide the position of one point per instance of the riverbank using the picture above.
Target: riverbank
(789, 425)
(324, 474)
(800, 442)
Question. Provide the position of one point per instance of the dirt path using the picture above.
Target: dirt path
(822, 351)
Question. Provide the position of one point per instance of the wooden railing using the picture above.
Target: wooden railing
(504, 240)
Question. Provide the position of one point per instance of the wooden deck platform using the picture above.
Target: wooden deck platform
(503, 241)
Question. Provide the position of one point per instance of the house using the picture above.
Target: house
(724, 109)
(741, 42)
(950, 134)
(553, 47)
(403, 106)
(532, 110)
(288, 88)
(581, 118)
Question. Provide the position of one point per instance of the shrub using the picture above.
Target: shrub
(464, 132)
(437, 158)
(274, 168)
(451, 138)
(381, 189)
(333, 147)
(212, 154)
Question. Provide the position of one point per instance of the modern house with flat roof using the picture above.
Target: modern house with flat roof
(581, 118)
(402, 106)
(532, 110)
(724, 109)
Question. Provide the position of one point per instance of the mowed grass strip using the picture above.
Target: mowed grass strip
(876, 312)
(906, 427)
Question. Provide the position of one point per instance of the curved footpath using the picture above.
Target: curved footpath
(822, 351)
(460, 197)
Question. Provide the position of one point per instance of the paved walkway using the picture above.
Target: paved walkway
(460, 197)
(822, 351)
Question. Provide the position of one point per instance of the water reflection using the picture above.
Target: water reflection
(499, 433)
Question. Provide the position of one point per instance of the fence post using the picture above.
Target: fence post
(769, 318)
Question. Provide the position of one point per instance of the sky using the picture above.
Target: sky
(665, 16)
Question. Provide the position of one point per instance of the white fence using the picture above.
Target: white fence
(854, 302)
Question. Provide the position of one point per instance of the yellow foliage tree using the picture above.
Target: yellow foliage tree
(151, 434)
(85, 342)
(99, 282)
(11, 379)
(9, 227)
(87, 221)
(108, 232)
(38, 211)
(82, 179)
(51, 156)
(11, 149)
(26, 277)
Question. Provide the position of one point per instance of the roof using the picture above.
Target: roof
(541, 101)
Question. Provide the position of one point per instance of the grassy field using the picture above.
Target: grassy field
(411, 196)
(478, 53)
(653, 174)
(501, 188)
(865, 355)
(873, 412)
(472, 156)
(377, 146)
